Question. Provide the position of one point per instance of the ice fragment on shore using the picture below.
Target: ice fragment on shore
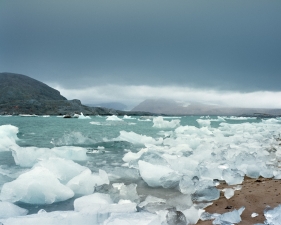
(254, 215)
(38, 186)
(229, 217)
(158, 176)
(8, 209)
(228, 192)
(232, 176)
(273, 216)
(253, 171)
(207, 194)
(193, 214)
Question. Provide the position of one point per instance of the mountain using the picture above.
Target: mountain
(17, 87)
(110, 105)
(20, 94)
(171, 107)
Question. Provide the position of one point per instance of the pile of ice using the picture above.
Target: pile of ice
(228, 153)
(189, 159)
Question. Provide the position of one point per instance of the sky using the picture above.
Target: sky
(218, 51)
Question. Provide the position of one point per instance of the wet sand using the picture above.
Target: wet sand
(255, 195)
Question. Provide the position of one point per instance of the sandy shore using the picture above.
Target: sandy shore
(255, 195)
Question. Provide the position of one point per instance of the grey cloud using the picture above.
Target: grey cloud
(225, 45)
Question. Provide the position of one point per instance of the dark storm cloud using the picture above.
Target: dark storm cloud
(230, 45)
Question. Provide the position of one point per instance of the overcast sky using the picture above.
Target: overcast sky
(217, 51)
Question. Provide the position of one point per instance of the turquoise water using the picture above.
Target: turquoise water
(105, 148)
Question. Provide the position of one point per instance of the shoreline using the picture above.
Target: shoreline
(255, 195)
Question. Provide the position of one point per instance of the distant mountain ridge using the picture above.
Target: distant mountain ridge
(110, 105)
(171, 107)
(20, 94)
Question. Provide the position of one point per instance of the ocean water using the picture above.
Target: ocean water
(155, 163)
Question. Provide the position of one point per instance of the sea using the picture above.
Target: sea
(155, 165)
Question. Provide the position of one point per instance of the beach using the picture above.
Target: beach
(255, 195)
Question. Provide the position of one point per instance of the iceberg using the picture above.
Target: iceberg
(37, 186)
(113, 118)
(8, 209)
(158, 176)
(159, 122)
(8, 137)
(86, 182)
(81, 116)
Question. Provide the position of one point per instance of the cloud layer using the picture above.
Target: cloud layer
(218, 44)
(132, 95)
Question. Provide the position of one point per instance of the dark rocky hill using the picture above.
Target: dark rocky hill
(20, 94)
(17, 87)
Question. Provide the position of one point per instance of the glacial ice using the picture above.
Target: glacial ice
(193, 214)
(273, 216)
(63, 169)
(38, 186)
(113, 118)
(8, 137)
(159, 122)
(95, 201)
(232, 217)
(126, 192)
(102, 205)
(232, 176)
(140, 218)
(8, 209)
(175, 217)
(228, 192)
(28, 156)
(128, 117)
(81, 116)
(157, 175)
(54, 218)
(186, 158)
(135, 138)
(85, 182)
